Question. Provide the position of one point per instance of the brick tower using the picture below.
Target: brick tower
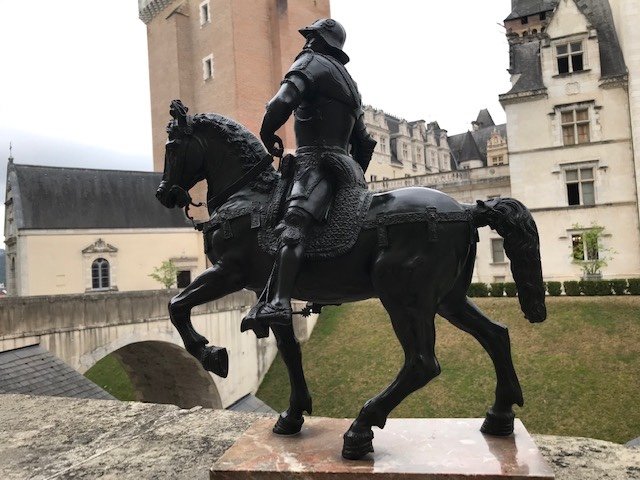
(223, 56)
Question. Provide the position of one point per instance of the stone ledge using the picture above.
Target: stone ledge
(49, 437)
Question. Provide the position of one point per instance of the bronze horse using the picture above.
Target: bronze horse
(414, 276)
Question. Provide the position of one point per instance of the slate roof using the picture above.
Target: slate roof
(524, 8)
(525, 60)
(525, 57)
(82, 198)
(33, 370)
(460, 144)
(251, 404)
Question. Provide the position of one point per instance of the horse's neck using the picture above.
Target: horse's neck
(222, 168)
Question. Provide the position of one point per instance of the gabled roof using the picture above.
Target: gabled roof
(82, 198)
(484, 119)
(525, 57)
(469, 149)
(461, 144)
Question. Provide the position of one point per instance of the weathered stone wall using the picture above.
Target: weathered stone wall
(47, 437)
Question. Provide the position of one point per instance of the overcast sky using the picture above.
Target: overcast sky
(74, 86)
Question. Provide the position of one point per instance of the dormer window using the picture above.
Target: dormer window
(570, 57)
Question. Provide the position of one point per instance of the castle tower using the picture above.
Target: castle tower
(221, 56)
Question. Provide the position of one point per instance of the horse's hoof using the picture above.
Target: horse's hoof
(287, 425)
(216, 360)
(498, 423)
(357, 445)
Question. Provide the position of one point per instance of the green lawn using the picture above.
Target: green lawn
(110, 375)
(580, 370)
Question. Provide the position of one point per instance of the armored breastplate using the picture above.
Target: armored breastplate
(324, 121)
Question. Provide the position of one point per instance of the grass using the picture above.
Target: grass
(109, 374)
(579, 370)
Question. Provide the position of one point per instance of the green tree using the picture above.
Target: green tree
(166, 273)
(588, 249)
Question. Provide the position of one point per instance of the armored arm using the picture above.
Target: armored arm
(362, 144)
(279, 110)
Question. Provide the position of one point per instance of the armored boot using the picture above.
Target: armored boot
(294, 228)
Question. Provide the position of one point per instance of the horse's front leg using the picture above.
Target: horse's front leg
(291, 420)
(213, 283)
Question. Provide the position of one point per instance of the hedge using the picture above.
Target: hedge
(554, 288)
(619, 286)
(572, 288)
(634, 286)
(478, 290)
(510, 289)
(497, 289)
(592, 288)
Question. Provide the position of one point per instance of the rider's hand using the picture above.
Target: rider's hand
(273, 143)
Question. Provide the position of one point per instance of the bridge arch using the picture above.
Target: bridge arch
(162, 372)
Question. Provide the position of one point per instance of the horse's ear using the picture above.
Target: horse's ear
(179, 111)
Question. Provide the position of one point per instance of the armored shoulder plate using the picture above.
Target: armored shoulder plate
(327, 77)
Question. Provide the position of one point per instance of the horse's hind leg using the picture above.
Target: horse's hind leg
(494, 337)
(213, 283)
(291, 420)
(414, 327)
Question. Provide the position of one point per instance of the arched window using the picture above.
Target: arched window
(100, 273)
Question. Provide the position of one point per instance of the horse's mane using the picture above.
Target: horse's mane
(241, 142)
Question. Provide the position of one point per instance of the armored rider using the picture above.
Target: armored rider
(328, 120)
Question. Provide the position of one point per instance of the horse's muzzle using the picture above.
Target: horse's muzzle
(164, 196)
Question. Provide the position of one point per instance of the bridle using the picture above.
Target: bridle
(184, 125)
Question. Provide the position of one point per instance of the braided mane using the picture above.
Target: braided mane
(243, 144)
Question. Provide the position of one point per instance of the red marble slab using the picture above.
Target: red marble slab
(436, 449)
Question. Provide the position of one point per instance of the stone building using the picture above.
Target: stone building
(405, 149)
(222, 56)
(570, 141)
(76, 230)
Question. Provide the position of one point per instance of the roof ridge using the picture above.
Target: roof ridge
(60, 167)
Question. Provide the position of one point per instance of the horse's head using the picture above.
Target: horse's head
(183, 159)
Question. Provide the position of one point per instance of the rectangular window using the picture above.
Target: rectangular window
(582, 250)
(207, 67)
(405, 151)
(570, 57)
(497, 250)
(374, 178)
(524, 20)
(205, 13)
(580, 190)
(383, 144)
(183, 278)
(575, 126)
(498, 160)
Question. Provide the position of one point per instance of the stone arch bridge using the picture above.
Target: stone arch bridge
(82, 329)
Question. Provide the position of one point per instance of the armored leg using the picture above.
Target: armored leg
(294, 228)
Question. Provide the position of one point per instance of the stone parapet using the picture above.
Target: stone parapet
(47, 437)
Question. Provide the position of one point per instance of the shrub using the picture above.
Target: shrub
(595, 287)
(510, 289)
(634, 286)
(554, 288)
(478, 290)
(619, 286)
(497, 289)
(572, 288)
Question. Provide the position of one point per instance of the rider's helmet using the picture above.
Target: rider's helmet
(333, 35)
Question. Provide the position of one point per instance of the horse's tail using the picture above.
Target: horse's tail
(513, 222)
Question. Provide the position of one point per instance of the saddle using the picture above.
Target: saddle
(332, 238)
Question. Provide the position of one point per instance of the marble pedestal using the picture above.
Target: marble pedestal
(410, 448)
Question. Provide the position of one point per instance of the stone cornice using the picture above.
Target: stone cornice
(509, 98)
(148, 9)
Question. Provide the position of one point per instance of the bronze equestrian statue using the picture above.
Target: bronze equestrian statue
(414, 248)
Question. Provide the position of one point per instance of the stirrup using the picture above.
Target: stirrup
(272, 315)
